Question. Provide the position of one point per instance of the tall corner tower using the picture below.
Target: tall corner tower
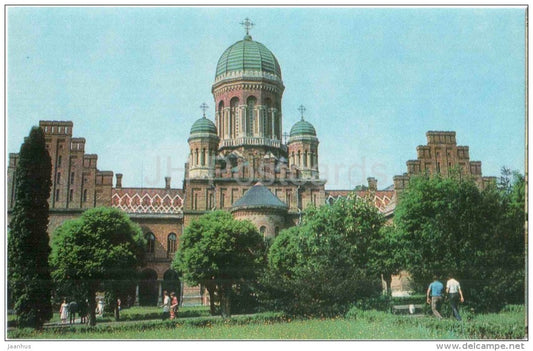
(203, 144)
(247, 91)
(303, 148)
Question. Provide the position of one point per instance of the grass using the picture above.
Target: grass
(360, 325)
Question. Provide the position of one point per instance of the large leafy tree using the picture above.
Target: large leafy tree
(218, 251)
(98, 251)
(478, 236)
(322, 266)
(29, 280)
(387, 254)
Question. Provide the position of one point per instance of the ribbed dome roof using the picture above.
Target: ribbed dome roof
(248, 55)
(302, 127)
(203, 125)
(259, 196)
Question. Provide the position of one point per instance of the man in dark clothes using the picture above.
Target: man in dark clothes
(72, 310)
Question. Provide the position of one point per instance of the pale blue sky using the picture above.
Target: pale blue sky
(373, 81)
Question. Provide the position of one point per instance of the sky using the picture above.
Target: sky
(373, 81)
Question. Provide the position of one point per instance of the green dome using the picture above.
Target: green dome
(203, 125)
(303, 127)
(248, 55)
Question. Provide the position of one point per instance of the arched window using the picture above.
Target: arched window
(85, 195)
(171, 244)
(150, 242)
(262, 230)
(270, 130)
(233, 121)
(250, 127)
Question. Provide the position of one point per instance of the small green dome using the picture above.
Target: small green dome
(203, 125)
(248, 55)
(303, 127)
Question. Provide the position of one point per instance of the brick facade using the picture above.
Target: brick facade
(442, 156)
(243, 147)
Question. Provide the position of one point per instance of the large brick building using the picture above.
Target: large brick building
(442, 156)
(237, 163)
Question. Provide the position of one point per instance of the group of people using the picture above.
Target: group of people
(436, 295)
(69, 310)
(170, 305)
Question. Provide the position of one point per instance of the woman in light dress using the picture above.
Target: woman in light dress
(63, 311)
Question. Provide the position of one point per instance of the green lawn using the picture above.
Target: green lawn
(370, 325)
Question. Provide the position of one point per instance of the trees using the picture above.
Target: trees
(218, 251)
(97, 251)
(28, 249)
(387, 254)
(476, 235)
(321, 266)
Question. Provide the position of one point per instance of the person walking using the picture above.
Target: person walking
(101, 307)
(63, 311)
(435, 291)
(173, 305)
(454, 293)
(166, 305)
(72, 310)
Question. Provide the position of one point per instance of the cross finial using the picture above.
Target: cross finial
(204, 107)
(285, 137)
(247, 24)
(302, 110)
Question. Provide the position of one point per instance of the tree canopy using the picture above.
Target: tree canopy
(96, 252)
(29, 280)
(448, 225)
(322, 266)
(219, 251)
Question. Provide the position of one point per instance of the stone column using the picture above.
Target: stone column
(243, 123)
(273, 117)
(160, 294)
(136, 303)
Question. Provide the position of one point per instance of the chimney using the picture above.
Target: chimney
(372, 184)
(167, 182)
(119, 181)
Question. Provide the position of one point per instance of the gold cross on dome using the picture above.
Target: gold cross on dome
(302, 110)
(247, 24)
(204, 107)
